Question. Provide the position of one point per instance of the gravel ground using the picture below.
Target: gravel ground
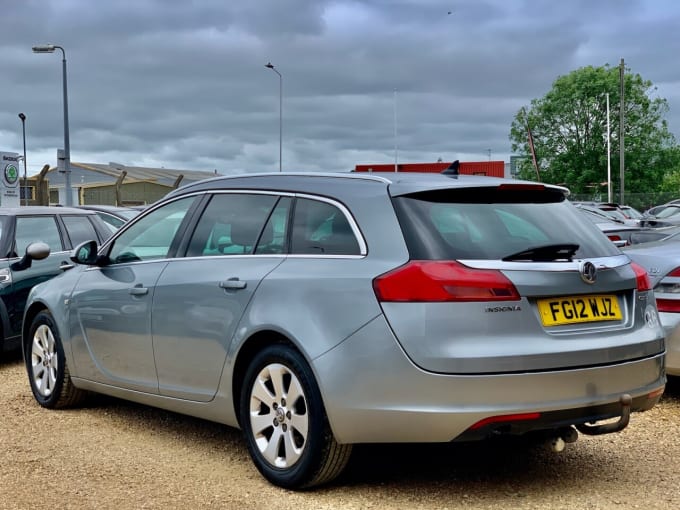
(114, 454)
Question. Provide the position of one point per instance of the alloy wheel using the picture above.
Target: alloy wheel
(44, 360)
(278, 415)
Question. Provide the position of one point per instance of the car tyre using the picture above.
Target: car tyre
(285, 423)
(46, 365)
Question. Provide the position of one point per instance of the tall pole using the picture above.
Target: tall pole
(49, 48)
(67, 144)
(23, 130)
(622, 165)
(609, 158)
(269, 65)
(396, 168)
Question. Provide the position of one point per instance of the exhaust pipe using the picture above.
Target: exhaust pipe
(564, 436)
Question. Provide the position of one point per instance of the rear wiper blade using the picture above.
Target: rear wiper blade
(545, 253)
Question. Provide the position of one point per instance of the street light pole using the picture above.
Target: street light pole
(23, 130)
(49, 48)
(269, 65)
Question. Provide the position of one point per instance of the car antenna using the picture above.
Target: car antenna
(452, 170)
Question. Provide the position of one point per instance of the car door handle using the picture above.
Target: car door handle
(65, 265)
(233, 283)
(138, 290)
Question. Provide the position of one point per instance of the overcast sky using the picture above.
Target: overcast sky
(183, 84)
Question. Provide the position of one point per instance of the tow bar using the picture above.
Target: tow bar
(606, 428)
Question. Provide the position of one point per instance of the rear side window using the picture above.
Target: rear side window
(465, 224)
(320, 228)
(232, 224)
(79, 229)
(37, 228)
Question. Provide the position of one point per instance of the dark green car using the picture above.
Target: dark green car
(61, 229)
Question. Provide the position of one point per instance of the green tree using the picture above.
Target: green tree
(671, 180)
(569, 127)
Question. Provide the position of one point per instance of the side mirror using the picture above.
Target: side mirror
(34, 251)
(85, 253)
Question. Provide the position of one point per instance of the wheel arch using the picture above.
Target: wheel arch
(250, 347)
(29, 315)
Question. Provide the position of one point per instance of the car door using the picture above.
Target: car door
(29, 229)
(112, 303)
(199, 299)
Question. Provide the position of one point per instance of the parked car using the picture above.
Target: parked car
(617, 232)
(648, 235)
(631, 212)
(317, 311)
(662, 261)
(58, 229)
(112, 215)
(612, 211)
(653, 211)
(669, 215)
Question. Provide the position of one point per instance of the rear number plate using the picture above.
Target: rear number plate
(575, 309)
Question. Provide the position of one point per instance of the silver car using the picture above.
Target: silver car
(317, 311)
(661, 259)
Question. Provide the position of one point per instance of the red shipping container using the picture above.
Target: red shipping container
(489, 168)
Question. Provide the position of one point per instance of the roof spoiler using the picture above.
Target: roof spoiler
(452, 170)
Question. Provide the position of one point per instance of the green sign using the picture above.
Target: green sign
(11, 174)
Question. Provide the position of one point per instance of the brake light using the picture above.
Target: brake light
(675, 272)
(438, 281)
(614, 237)
(641, 277)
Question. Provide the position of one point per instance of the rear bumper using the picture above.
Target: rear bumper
(373, 393)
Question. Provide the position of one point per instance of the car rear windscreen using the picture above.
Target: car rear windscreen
(491, 224)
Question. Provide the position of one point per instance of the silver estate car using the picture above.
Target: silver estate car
(317, 311)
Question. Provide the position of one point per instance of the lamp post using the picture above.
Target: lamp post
(269, 65)
(23, 130)
(49, 48)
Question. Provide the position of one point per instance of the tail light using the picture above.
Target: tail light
(666, 287)
(614, 237)
(668, 305)
(438, 281)
(641, 277)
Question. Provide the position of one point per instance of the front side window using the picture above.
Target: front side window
(32, 229)
(232, 224)
(320, 228)
(151, 237)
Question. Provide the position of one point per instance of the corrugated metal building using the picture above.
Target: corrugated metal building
(489, 168)
(118, 184)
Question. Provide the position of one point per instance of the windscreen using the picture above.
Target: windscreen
(491, 225)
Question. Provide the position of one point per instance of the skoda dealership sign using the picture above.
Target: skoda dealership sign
(9, 187)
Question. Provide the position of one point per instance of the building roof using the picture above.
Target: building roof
(96, 173)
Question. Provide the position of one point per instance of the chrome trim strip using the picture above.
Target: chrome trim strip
(363, 248)
(601, 263)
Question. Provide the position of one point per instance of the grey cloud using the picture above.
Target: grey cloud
(183, 84)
